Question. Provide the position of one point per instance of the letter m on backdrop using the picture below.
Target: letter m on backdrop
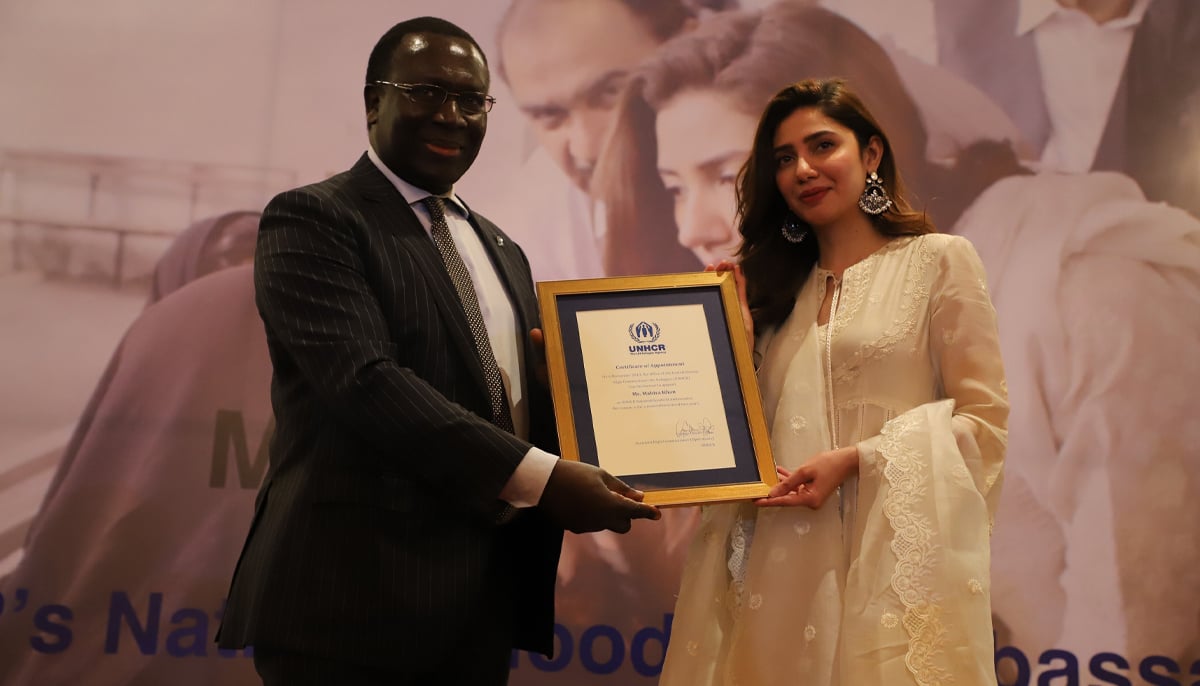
(230, 445)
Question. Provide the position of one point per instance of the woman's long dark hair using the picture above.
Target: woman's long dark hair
(775, 269)
(747, 57)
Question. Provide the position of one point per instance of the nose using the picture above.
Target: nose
(449, 113)
(585, 135)
(702, 225)
(804, 170)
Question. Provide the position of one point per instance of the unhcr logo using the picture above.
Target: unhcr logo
(645, 337)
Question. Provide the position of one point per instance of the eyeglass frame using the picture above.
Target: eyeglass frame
(406, 88)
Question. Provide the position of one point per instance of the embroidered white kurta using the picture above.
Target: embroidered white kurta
(888, 583)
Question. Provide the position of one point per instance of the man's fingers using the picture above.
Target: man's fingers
(644, 511)
(622, 526)
(621, 488)
(536, 336)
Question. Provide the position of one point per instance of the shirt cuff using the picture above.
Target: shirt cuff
(867, 453)
(528, 480)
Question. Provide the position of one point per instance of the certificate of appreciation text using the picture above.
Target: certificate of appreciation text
(650, 374)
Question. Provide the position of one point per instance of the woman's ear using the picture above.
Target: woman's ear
(873, 154)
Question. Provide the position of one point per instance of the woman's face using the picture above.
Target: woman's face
(819, 168)
(703, 140)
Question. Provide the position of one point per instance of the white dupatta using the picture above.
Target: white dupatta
(894, 592)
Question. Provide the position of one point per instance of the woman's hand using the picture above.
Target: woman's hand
(814, 481)
(740, 281)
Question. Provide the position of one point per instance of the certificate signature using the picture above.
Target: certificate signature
(702, 428)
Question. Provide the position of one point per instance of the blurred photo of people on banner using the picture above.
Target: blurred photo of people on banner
(139, 148)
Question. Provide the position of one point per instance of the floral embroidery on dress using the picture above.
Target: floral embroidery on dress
(755, 601)
(914, 549)
(802, 528)
(810, 632)
(739, 548)
(798, 424)
(693, 648)
(889, 620)
(854, 290)
(915, 296)
(975, 586)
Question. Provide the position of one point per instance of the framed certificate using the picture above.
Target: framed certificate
(653, 381)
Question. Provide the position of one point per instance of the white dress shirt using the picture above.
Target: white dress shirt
(524, 488)
(1082, 63)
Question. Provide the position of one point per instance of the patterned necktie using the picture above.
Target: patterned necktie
(501, 415)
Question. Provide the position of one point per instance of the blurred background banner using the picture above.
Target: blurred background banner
(139, 141)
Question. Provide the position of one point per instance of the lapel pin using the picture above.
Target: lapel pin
(499, 240)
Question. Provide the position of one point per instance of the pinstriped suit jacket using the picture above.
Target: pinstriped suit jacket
(373, 536)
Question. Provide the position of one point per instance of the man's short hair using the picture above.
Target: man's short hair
(379, 65)
(664, 18)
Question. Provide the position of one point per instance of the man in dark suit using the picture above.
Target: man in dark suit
(408, 528)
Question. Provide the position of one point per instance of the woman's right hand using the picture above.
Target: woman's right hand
(814, 481)
(740, 281)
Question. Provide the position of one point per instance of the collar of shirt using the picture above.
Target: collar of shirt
(1033, 13)
(412, 194)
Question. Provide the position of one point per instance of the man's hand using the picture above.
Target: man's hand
(582, 498)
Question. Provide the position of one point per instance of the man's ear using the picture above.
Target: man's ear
(371, 102)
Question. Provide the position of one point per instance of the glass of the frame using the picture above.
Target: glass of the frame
(653, 381)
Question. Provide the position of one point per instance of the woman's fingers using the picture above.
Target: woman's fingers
(803, 475)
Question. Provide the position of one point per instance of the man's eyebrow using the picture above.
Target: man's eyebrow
(585, 92)
(541, 109)
(714, 162)
(601, 82)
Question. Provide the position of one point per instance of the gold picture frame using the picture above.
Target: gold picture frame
(653, 380)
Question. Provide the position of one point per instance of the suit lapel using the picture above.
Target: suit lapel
(387, 210)
(511, 269)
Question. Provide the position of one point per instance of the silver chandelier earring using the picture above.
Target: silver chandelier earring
(793, 229)
(874, 198)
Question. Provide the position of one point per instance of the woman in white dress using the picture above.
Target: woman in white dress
(1097, 294)
(884, 390)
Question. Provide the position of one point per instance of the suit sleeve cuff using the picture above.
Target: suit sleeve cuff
(525, 486)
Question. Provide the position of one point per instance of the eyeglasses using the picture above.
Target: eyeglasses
(430, 96)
